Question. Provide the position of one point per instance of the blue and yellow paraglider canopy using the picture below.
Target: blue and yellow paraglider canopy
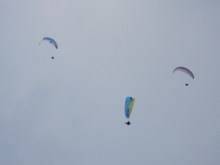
(50, 40)
(129, 103)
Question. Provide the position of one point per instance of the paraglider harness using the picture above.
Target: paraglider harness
(128, 123)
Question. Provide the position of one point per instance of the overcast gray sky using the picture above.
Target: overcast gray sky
(70, 110)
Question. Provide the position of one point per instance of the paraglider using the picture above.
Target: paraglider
(129, 103)
(185, 70)
(51, 41)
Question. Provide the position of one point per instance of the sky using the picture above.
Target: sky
(70, 110)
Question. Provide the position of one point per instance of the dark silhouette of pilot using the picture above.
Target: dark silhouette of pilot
(128, 123)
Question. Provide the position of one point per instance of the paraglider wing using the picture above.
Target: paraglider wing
(50, 40)
(129, 103)
(185, 70)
